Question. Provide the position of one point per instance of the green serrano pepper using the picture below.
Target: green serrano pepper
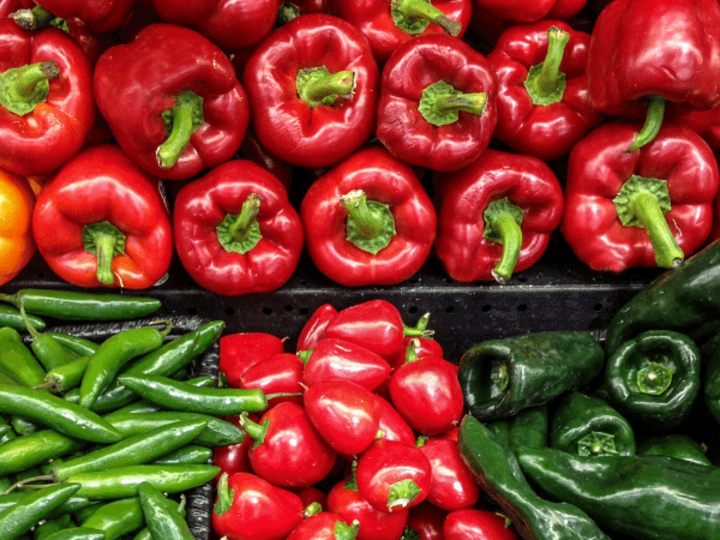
(11, 316)
(142, 406)
(66, 377)
(23, 516)
(17, 360)
(117, 518)
(161, 515)
(70, 506)
(49, 352)
(181, 396)
(78, 345)
(51, 526)
(145, 533)
(34, 449)
(80, 305)
(77, 533)
(190, 453)
(50, 410)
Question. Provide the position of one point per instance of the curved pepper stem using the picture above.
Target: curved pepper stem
(105, 241)
(240, 233)
(254, 430)
(652, 125)
(545, 82)
(502, 225)
(317, 86)
(440, 103)
(24, 88)
(414, 16)
(225, 495)
(370, 224)
(181, 121)
(643, 202)
(37, 17)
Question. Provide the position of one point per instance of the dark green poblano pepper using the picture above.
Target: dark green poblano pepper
(676, 445)
(529, 427)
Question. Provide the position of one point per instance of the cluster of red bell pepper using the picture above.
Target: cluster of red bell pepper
(359, 440)
(382, 133)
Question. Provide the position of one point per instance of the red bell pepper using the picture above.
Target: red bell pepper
(389, 23)
(543, 107)
(101, 222)
(236, 231)
(705, 123)
(231, 25)
(496, 215)
(254, 151)
(317, 103)
(101, 15)
(368, 221)
(648, 208)
(46, 99)
(172, 101)
(437, 103)
(524, 11)
(646, 52)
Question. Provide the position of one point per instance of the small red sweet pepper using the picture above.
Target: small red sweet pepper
(496, 215)
(101, 222)
(388, 23)
(543, 107)
(236, 231)
(369, 220)
(316, 105)
(172, 101)
(648, 208)
(437, 107)
(46, 99)
(101, 15)
(644, 53)
(524, 11)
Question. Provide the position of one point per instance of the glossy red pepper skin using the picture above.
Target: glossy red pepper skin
(234, 458)
(599, 166)
(42, 140)
(242, 350)
(385, 180)
(220, 260)
(101, 15)
(305, 133)
(392, 425)
(427, 521)
(401, 127)
(453, 486)
(314, 328)
(324, 526)
(524, 11)
(277, 374)
(547, 131)
(231, 25)
(463, 198)
(101, 184)
(673, 56)
(705, 123)
(161, 64)
(477, 524)
(375, 19)
(335, 358)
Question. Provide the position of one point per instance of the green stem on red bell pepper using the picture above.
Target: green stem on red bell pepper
(181, 121)
(240, 233)
(502, 225)
(643, 202)
(414, 16)
(105, 241)
(370, 224)
(254, 430)
(34, 18)
(652, 125)
(317, 86)
(441, 103)
(23, 88)
(545, 83)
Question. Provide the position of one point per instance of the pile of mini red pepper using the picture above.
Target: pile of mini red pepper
(372, 135)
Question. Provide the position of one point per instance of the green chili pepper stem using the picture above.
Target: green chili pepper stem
(224, 496)
(254, 430)
(545, 82)
(409, 10)
(66, 377)
(652, 125)
(420, 329)
(184, 119)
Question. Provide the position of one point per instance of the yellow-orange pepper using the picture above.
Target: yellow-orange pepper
(17, 245)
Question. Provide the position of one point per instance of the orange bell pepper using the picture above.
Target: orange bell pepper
(17, 245)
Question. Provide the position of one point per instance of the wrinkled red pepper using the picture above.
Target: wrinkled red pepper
(368, 221)
(172, 101)
(236, 231)
(46, 99)
(531, 10)
(496, 215)
(437, 103)
(644, 53)
(231, 25)
(101, 15)
(317, 103)
(389, 23)
(101, 222)
(648, 208)
(543, 107)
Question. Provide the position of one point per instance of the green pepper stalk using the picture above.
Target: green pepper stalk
(370, 224)
(440, 103)
(414, 16)
(545, 82)
(317, 86)
(24, 88)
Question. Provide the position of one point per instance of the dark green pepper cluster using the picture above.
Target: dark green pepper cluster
(577, 438)
(100, 439)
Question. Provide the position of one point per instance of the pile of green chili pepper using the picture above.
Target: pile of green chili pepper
(100, 440)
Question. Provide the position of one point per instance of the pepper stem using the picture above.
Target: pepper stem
(654, 378)
(105, 241)
(502, 225)
(225, 495)
(643, 202)
(286, 13)
(652, 125)
(420, 329)
(414, 16)
(240, 233)
(24, 87)
(370, 224)
(317, 86)
(440, 103)
(32, 19)
(545, 82)
(254, 430)
(597, 443)
(181, 121)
